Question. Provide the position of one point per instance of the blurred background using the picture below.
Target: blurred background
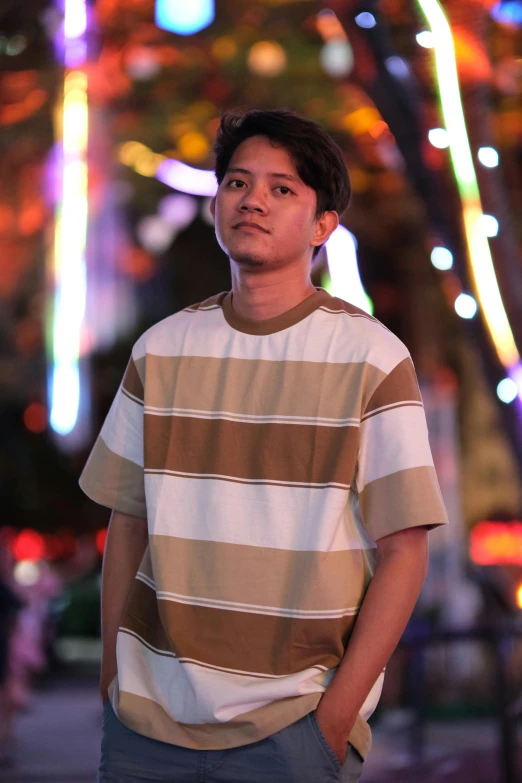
(108, 110)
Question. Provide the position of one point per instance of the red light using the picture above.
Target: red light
(101, 538)
(29, 545)
(496, 543)
(35, 417)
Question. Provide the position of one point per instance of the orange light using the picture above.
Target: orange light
(496, 543)
(519, 596)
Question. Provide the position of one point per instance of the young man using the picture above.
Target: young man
(267, 462)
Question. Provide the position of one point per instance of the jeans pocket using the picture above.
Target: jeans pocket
(324, 744)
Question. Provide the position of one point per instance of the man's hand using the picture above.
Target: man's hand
(336, 739)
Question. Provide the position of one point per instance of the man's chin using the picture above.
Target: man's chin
(249, 261)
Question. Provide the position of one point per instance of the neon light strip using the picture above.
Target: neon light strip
(479, 252)
(70, 234)
(344, 272)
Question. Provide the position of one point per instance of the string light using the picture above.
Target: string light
(481, 262)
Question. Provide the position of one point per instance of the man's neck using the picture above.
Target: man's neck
(259, 297)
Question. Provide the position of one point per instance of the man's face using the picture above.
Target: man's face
(264, 212)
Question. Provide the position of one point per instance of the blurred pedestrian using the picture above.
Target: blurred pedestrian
(267, 462)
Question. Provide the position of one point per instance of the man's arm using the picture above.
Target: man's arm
(402, 564)
(126, 543)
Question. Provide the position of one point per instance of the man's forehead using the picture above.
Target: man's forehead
(275, 159)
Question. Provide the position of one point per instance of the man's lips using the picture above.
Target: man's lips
(245, 224)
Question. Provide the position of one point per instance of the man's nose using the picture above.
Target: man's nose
(254, 200)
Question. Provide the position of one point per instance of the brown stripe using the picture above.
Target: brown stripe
(333, 390)
(132, 382)
(114, 481)
(391, 408)
(280, 322)
(399, 385)
(408, 498)
(276, 452)
(237, 573)
(237, 640)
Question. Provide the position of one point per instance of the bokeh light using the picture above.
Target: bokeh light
(439, 138)
(465, 306)
(36, 417)
(507, 390)
(267, 58)
(425, 39)
(488, 156)
(442, 258)
(366, 20)
(488, 225)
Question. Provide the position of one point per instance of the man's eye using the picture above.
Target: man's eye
(235, 182)
(284, 190)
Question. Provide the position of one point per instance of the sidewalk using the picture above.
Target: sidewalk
(58, 741)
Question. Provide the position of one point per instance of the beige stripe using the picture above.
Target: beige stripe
(266, 644)
(132, 383)
(409, 498)
(273, 452)
(260, 388)
(309, 581)
(399, 386)
(212, 303)
(114, 481)
(148, 718)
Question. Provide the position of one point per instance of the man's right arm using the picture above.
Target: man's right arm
(127, 540)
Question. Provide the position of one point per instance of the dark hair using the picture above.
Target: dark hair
(318, 159)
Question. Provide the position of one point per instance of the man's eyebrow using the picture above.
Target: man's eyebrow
(279, 175)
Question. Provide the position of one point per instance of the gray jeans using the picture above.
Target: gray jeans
(297, 754)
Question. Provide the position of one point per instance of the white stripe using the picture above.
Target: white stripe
(317, 338)
(278, 517)
(146, 579)
(197, 694)
(250, 417)
(274, 611)
(395, 440)
(234, 480)
(122, 430)
(132, 396)
(403, 403)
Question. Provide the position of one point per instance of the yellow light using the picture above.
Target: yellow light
(193, 146)
(224, 48)
(519, 596)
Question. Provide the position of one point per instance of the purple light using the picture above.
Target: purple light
(75, 19)
(75, 53)
(515, 373)
(177, 175)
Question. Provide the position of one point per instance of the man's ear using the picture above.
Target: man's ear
(212, 207)
(326, 225)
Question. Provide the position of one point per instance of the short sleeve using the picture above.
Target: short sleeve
(113, 475)
(396, 480)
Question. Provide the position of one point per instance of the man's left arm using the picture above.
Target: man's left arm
(402, 564)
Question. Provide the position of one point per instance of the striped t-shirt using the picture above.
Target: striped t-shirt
(268, 458)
